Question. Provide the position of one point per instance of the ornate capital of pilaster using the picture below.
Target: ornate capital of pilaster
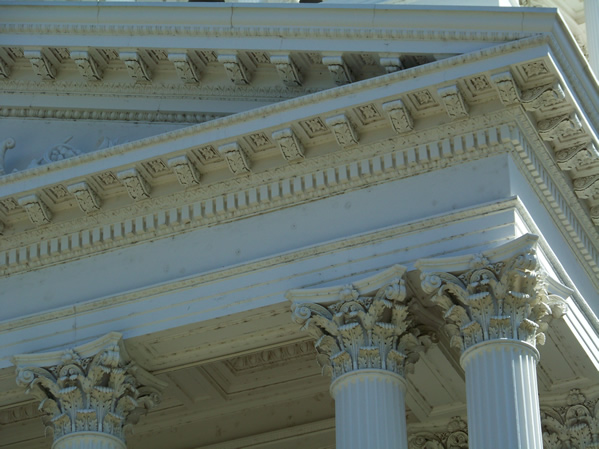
(94, 387)
(365, 325)
(499, 294)
(455, 436)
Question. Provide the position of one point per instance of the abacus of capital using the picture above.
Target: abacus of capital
(496, 309)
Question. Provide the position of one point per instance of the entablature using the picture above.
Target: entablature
(427, 116)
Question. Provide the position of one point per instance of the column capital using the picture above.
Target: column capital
(94, 387)
(497, 294)
(365, 325)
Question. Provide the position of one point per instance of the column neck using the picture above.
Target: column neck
(88, 440)
(496, 344)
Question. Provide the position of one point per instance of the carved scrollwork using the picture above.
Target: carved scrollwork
(574, 426)
(504, 299)
(456, 437)
(360, 332)
(103, 392)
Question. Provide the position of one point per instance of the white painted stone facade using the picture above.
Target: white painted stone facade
(202, 206)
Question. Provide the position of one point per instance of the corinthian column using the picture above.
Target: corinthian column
(89, 394)
(366, 342)
(496, 311)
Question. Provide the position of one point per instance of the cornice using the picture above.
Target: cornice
(249, 20)
(277, 108)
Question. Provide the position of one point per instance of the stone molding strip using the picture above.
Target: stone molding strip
(258, 199)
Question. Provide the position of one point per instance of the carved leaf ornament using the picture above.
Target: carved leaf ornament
(362, 332)
(501, 300)
(97, 393)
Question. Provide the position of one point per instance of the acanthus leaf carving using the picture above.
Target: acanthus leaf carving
(546, 96)
(4, 69)
(362, 330)
(87, 198)
(236, 70)
(456, 437)
(399, 116)
(577, 157)
(41, 64)
(340, 71)
(560, 127)
(343, 129)
(288, 71)
(236, 158)
(587, 187)
(186, 69)
(289, 144)
(454, 102)
(39, 213)
(136, 185)
(136, 66)
(186, 173)
(95, 387)
(87, 65)
(575, 425)
(503, 299)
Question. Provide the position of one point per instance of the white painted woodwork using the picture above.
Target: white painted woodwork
(591, 13)
(502, 394)
(370, 410)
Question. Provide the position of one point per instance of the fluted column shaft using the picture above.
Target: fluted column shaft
(502, 394)
(370, 410)
(591, 12)
(88, 440)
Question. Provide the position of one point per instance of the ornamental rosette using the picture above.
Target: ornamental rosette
(100, 392)
(501, 295)
(362, 330)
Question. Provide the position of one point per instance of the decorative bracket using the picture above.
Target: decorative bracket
(236, 158)
(236, 70)
(454, 102)
(289, 144)
(399, 116)
(587, 187)
(6, 145)
(4, 69)
(39, 213)
(87, 65)
(343, 129)
(137, 187)
(342, 74)
(186, 69)
(287, 70)
(577, 157)
(86, 197)
(559, 127)
(42, 66)
(185, 171)
(509, 92)
(391, 63)
(137, 68)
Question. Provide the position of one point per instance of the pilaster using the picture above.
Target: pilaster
(89, 394)
(496, 311)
